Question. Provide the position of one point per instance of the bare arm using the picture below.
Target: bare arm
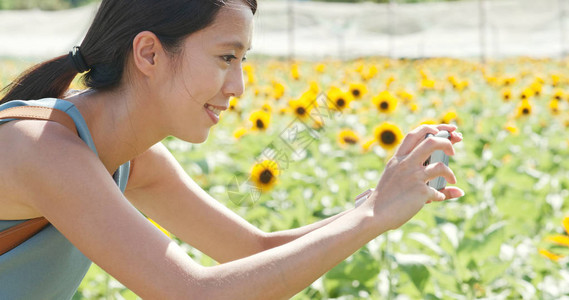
(161, 189)
(113, 234)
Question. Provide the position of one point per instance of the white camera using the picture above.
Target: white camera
(438, 183)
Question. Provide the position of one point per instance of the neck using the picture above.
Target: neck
(121, 125)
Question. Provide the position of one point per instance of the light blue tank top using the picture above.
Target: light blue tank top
(47, 266)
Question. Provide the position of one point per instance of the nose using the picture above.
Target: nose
(234, 84)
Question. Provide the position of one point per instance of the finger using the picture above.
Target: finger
(439, 170)
(413, 138)
(455, 136)
(422, 152)
(447, 127)
(451, 192)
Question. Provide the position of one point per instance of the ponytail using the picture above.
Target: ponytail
(50, 79)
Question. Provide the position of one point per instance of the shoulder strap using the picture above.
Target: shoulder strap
(14, 236)
(39, 113)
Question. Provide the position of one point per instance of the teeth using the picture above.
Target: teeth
(213, 109)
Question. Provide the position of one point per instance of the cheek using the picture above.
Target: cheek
(200, 83)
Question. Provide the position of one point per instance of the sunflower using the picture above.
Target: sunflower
(385, 102)
(388, 135)
(264, 174)
(554, 106)
(300, 107)
(239, 132)
(340, 99)
(405, 96)
(536, 87)
(526, 94)
(314, 87)
(560, 239)
(250, 71)
(428, 122)
(449, 117)
(413, 106)
(294, 72)
(558, 94)
(267, 107)
(233, 103)
(555, 79)
(427, 84)
(524, 108)
(367, 145)
(358, 90)
(508, 81)
(260, 119)
(506, 94)
(389, 81)
(278, 90)
(512, 128)
(348, 137)
(320, 68)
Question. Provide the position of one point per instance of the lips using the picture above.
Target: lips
(214, 111)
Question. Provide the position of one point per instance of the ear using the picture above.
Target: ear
(147, 52)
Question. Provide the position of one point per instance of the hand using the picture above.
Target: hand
(402, 190)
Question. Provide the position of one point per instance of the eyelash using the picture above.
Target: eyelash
(228, 58)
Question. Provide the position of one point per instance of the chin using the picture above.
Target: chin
(195, 138)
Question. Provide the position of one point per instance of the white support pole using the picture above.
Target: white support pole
(391, 20)
(290, 12)
(482, 29)
(562, 14)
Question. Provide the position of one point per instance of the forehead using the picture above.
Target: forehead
(232, 27)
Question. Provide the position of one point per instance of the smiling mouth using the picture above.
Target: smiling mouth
(216, 111)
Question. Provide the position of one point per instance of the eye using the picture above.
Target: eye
(228, 58)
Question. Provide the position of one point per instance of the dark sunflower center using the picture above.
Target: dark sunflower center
(260, 124)
(300, 111)
(525, 111)
(266, 176)
(384, 105)
(506, 96)
(350, 140)
(341, 102)
(387, 137)
(356, 93)
(524, 96)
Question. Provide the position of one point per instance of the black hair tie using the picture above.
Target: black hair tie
(78, 60)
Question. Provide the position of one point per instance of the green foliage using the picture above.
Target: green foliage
(484, 245)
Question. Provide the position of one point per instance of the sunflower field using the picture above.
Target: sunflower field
(306, 137)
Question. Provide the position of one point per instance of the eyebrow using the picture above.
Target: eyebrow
(235, 44)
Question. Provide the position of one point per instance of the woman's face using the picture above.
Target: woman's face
(208, 72)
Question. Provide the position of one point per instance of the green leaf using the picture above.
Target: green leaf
(418, 273)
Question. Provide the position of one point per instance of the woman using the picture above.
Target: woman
(160, 68)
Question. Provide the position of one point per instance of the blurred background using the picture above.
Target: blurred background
(342, 29)
(349, 79)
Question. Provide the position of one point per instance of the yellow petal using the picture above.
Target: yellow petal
(549, 255)
(559, 239)
(566, 224)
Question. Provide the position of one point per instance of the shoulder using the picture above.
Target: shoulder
(33, 151)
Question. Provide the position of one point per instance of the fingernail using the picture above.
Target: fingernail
(461, 193)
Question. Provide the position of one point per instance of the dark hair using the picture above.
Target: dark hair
(109, 41)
